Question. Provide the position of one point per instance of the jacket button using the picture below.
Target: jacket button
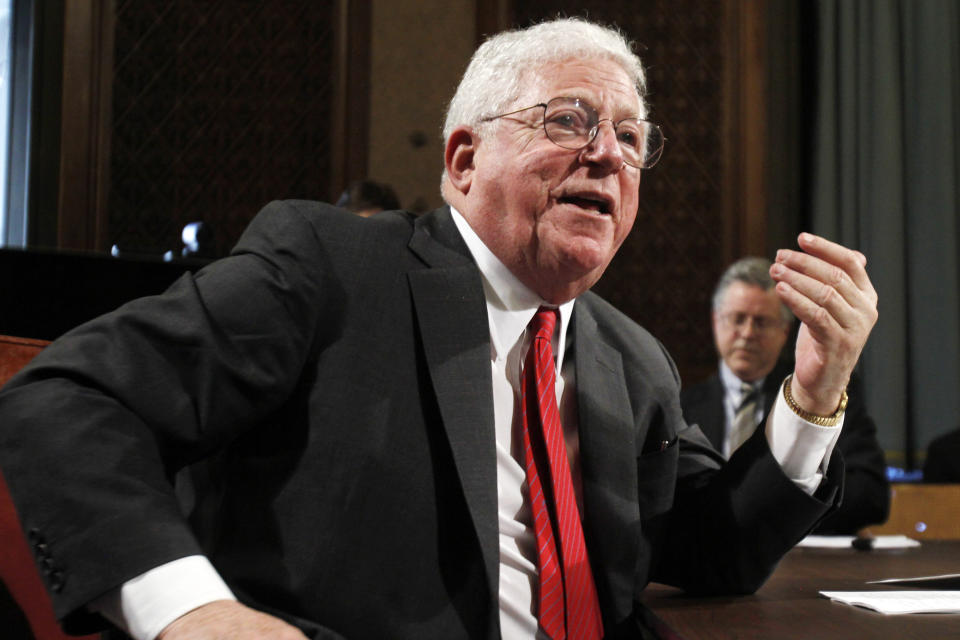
(56, 581)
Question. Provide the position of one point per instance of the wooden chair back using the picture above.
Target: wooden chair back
(18, 569)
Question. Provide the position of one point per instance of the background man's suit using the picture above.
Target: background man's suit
(943, 452)
(866, 493)
(338, 369)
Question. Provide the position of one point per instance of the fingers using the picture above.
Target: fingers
(825, 284)
(851, 261)
(827, 287)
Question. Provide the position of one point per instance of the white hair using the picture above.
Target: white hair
(501, 67)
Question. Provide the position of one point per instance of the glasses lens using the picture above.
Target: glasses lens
(653, 145)
(632, 136)
(572, 123)
(761, 324)
(641, 141)
(569, 122)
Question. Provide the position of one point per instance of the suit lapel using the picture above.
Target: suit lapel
(712, 419)
(771, 385)
(608, 464)
(452, 316)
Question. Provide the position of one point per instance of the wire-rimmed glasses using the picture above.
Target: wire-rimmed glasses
(573, 123)
(738, 321)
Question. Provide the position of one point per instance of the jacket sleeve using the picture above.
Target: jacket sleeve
(96, 426)
(732, 522)
(866, 491)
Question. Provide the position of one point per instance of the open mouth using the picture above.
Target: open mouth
(599, 205)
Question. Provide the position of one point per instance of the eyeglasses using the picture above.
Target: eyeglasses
(573, 123)
(740, 320)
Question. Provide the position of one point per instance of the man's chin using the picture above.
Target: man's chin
(583, 260)
(745, 371)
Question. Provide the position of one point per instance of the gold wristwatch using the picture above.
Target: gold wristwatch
(822, 421)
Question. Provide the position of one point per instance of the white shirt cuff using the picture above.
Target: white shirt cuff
(145, 605)
(802, 448)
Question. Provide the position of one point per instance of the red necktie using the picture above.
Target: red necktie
(568, 605)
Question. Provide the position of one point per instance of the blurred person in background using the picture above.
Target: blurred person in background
(751, 327)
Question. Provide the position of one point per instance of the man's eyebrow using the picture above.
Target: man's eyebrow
(620, 110)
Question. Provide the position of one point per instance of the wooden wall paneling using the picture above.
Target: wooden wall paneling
(414, 71)
(45, 134)
(221, 106)
(492, 16)
(85, 124)
(205, 111)
(349, 126)
(745, 130)
(88, 76)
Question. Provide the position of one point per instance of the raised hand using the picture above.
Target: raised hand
(827, 288)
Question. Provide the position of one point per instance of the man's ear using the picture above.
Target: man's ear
(459, 156)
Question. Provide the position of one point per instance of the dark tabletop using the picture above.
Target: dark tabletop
(789, 605)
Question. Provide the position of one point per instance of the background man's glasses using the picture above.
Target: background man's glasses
(761, 324)
(573, 123)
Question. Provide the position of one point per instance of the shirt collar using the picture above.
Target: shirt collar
(732, 384)
(510, 303)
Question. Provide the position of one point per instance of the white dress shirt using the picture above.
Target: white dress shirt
(733, 395)
(144, 605)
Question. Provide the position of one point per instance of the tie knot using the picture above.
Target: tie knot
(747, 392)
(543, 323)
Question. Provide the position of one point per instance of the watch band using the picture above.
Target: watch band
(822, 421)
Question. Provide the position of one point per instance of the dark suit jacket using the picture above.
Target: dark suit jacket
(942, 463)
(336, 372)
(866, 492)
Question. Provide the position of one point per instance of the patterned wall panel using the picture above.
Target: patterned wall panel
(664, 273)
(218, 108)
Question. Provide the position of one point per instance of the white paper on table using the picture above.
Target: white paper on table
(893, 602)
(845, 542)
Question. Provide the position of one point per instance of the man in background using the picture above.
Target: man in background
(751, 327)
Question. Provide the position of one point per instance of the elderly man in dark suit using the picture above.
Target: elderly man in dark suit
(426, 427)
(751, 327)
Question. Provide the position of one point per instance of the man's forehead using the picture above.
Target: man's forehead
(745, 294)
(601, 82)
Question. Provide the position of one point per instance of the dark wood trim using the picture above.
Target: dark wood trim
(753, 120)
(85, 124)
(492, 16)
(350, 130)
(745, 131)
(45, 130)
(338, 107)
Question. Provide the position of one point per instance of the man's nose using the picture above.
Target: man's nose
(749, 328)
(605, 149)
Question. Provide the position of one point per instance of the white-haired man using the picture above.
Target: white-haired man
(426, 428)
